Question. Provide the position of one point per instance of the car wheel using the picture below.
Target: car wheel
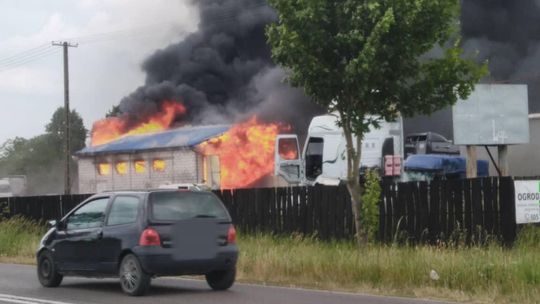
(47, 273)
(221, 280)
(133, 279)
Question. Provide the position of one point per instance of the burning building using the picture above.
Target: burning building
(221, 74)
(149, 160)
(127, 156)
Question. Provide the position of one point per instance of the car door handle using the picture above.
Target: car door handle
(99, 235)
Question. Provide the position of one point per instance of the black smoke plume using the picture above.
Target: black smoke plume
(223, 73)
(507, 34)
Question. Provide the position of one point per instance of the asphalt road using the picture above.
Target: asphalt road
(19, 284)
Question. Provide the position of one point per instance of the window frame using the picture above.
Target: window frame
(65, 220)
(109, 209)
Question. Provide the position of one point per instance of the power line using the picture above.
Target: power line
(44, 50)
(22, 58)
(25, 53)
(27, 60)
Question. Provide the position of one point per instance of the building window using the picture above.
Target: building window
(104, 168)
(140, 166)
(121, 167)
(158, 165)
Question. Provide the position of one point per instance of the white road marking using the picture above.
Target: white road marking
(25, 300)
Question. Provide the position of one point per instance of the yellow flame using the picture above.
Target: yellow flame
(140, 166)
(104, 169)
(158, 165)
(121, 167)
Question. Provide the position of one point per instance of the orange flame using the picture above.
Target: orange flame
(288, 149)
(246, 152)
(109, 129)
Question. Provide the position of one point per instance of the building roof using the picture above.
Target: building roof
(176, 138)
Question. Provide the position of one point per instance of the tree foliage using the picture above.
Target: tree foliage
(371, 60)
(55, 129)
(114, 111)
(41, 158)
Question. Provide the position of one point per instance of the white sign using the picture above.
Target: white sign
(494, 114)
(527, 201)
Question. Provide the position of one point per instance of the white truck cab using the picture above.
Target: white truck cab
(324, 159)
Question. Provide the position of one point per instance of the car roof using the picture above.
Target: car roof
(141, 191)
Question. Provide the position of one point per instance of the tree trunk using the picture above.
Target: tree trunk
(355, 190)
(353, 179)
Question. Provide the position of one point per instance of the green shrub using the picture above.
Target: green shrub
(370, 205)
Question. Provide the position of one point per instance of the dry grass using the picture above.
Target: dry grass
(479, 274)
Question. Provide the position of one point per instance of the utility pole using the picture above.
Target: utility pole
(67, 181)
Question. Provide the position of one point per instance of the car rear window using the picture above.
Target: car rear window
(179, 205)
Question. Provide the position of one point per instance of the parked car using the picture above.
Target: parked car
(138, 235)
(429, 143)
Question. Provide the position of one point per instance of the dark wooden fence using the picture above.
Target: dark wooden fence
(469, 210)
(321, 211)
(41, 207)
(466, 210)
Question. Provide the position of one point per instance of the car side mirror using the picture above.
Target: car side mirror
(56, 224)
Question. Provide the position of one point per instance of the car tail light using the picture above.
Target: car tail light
(149, 237)
(231, 235)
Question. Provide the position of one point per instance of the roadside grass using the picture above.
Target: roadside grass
(19, 239)
(472, 274)
(488, 274)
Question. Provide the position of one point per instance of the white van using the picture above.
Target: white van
(324, 159)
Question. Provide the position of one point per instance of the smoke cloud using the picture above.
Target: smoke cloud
(223, 73)
(507, 34)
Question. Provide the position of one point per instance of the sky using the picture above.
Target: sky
(113, 36)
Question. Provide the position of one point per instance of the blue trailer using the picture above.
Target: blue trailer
(426, 167)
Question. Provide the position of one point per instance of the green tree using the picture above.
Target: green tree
(367, 60)
(114, 112)
(41, 158)
(77, 130)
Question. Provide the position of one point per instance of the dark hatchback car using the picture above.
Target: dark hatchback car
(138, 235)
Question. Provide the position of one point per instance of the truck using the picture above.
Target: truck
(14, 185)
(323, 158)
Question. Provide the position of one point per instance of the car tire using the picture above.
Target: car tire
(47, 272)
(133, 279)
(221, 280)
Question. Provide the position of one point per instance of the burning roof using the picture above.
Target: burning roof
(174, 138)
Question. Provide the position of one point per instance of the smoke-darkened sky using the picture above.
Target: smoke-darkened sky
(228, 47)
(223, 72)
(507, 34)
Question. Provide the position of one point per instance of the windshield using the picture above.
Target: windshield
(179, 205)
